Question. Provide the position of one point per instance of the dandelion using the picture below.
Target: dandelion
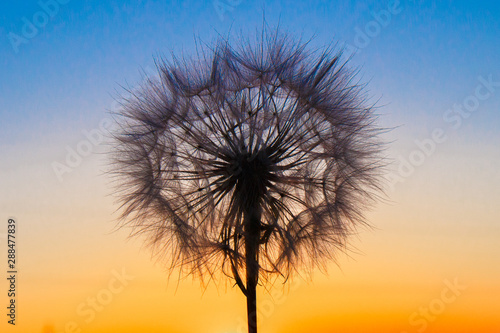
(255, 161)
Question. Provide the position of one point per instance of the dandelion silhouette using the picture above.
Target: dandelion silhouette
(255, 160)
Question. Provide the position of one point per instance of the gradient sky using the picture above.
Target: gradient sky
(439, 225)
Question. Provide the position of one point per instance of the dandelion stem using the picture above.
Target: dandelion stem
(252, 237)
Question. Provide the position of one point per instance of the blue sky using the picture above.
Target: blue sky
(427, 57)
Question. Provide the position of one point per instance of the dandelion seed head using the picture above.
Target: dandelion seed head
(269, 127)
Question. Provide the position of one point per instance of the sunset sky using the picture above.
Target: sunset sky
(431, 262)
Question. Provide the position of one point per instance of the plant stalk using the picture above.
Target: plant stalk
(252, 230)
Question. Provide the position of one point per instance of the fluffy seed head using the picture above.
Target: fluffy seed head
(267, 128)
